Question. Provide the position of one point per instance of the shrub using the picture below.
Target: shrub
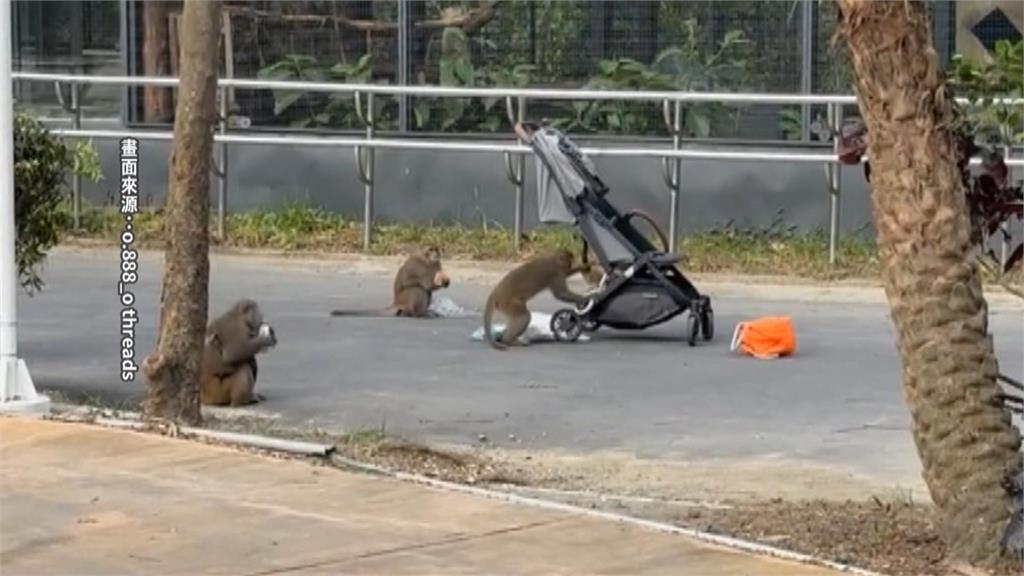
(41, 164)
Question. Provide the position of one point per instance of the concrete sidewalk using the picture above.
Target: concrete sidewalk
(79, 499)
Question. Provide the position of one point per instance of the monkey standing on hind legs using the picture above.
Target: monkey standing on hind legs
(417, 280)
(229, 355)
(522, 284)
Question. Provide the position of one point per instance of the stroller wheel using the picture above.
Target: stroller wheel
(707, 322)
(566, 325)
(693, 322)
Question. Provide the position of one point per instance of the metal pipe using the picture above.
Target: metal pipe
(71, 106)
(806, 65)
(8, 269)
(457, 146)
(222, 182)
(368, 173)
(835, 119)
(517, 173)
(677, 174)
(17, 391)
(404, 28)
(455, 92)
(76, 178)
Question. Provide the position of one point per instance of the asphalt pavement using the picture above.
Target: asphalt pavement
(837, 402)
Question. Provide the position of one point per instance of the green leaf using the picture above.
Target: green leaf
(421, 111)
(733, 37)
(454, 108)
(464, 72)
(491, 123)
(284, 100)
(698, 124)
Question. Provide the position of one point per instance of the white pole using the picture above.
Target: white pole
(17, 392)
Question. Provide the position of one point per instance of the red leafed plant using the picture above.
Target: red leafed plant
(991, 197)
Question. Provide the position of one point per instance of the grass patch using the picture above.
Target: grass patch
(775, 250)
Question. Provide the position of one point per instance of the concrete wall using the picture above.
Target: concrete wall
(421, 186)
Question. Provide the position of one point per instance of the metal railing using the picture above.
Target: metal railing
(516, 100)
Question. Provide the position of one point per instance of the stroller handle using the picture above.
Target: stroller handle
(525, 130)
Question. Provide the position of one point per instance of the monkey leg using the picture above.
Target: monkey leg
(518, 320)
(213, 391)
(414, 302)
(241, 385)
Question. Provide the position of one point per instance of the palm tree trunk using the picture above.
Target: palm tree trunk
(173, 369)
(966, 440)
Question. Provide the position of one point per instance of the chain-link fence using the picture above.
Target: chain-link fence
(751, 45)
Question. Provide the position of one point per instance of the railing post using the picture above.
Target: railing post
(517, 172)
(833, 170)
(673, 173)
(364, 165)
(222, 173)
(76, 181)
(75, 109)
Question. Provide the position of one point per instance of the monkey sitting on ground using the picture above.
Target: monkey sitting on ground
(522, 284)
(229, 356)
(417, 280)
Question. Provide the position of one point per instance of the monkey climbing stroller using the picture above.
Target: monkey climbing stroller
(641, 286)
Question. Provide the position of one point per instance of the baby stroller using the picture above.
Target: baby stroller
(641, 286)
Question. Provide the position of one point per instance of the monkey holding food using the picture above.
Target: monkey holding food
(229, 355)
(519, 286)
(415, 283)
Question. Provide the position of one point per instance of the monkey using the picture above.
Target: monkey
(229, 367)
(415, 283)
(520, 285)
(593, 274)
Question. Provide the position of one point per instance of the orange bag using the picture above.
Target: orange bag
(765, 338)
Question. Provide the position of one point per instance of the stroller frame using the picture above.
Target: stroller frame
(642, 286)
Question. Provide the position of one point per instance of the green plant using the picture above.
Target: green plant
(41, 164)
(312, 109)
(455, 68)
(981, 84)
(685, 67)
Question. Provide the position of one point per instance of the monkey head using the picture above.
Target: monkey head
(432, 254)
(565, 258)
(249, 310)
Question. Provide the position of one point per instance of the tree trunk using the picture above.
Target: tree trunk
(173, 368)
(155, 60)
(966, 440)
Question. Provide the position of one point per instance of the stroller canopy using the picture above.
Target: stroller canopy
(558, 175)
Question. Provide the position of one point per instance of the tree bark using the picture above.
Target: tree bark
(173, 368)
(155, 60)
(965, 438)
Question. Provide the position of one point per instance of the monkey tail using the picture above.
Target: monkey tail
(488, 312)
(387, 312)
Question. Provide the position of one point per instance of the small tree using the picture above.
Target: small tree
(173, 368)
(42, 163)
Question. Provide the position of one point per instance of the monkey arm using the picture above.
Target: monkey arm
(562, 292)
(238, 352)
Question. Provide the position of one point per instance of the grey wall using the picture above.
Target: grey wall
(422, 186)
